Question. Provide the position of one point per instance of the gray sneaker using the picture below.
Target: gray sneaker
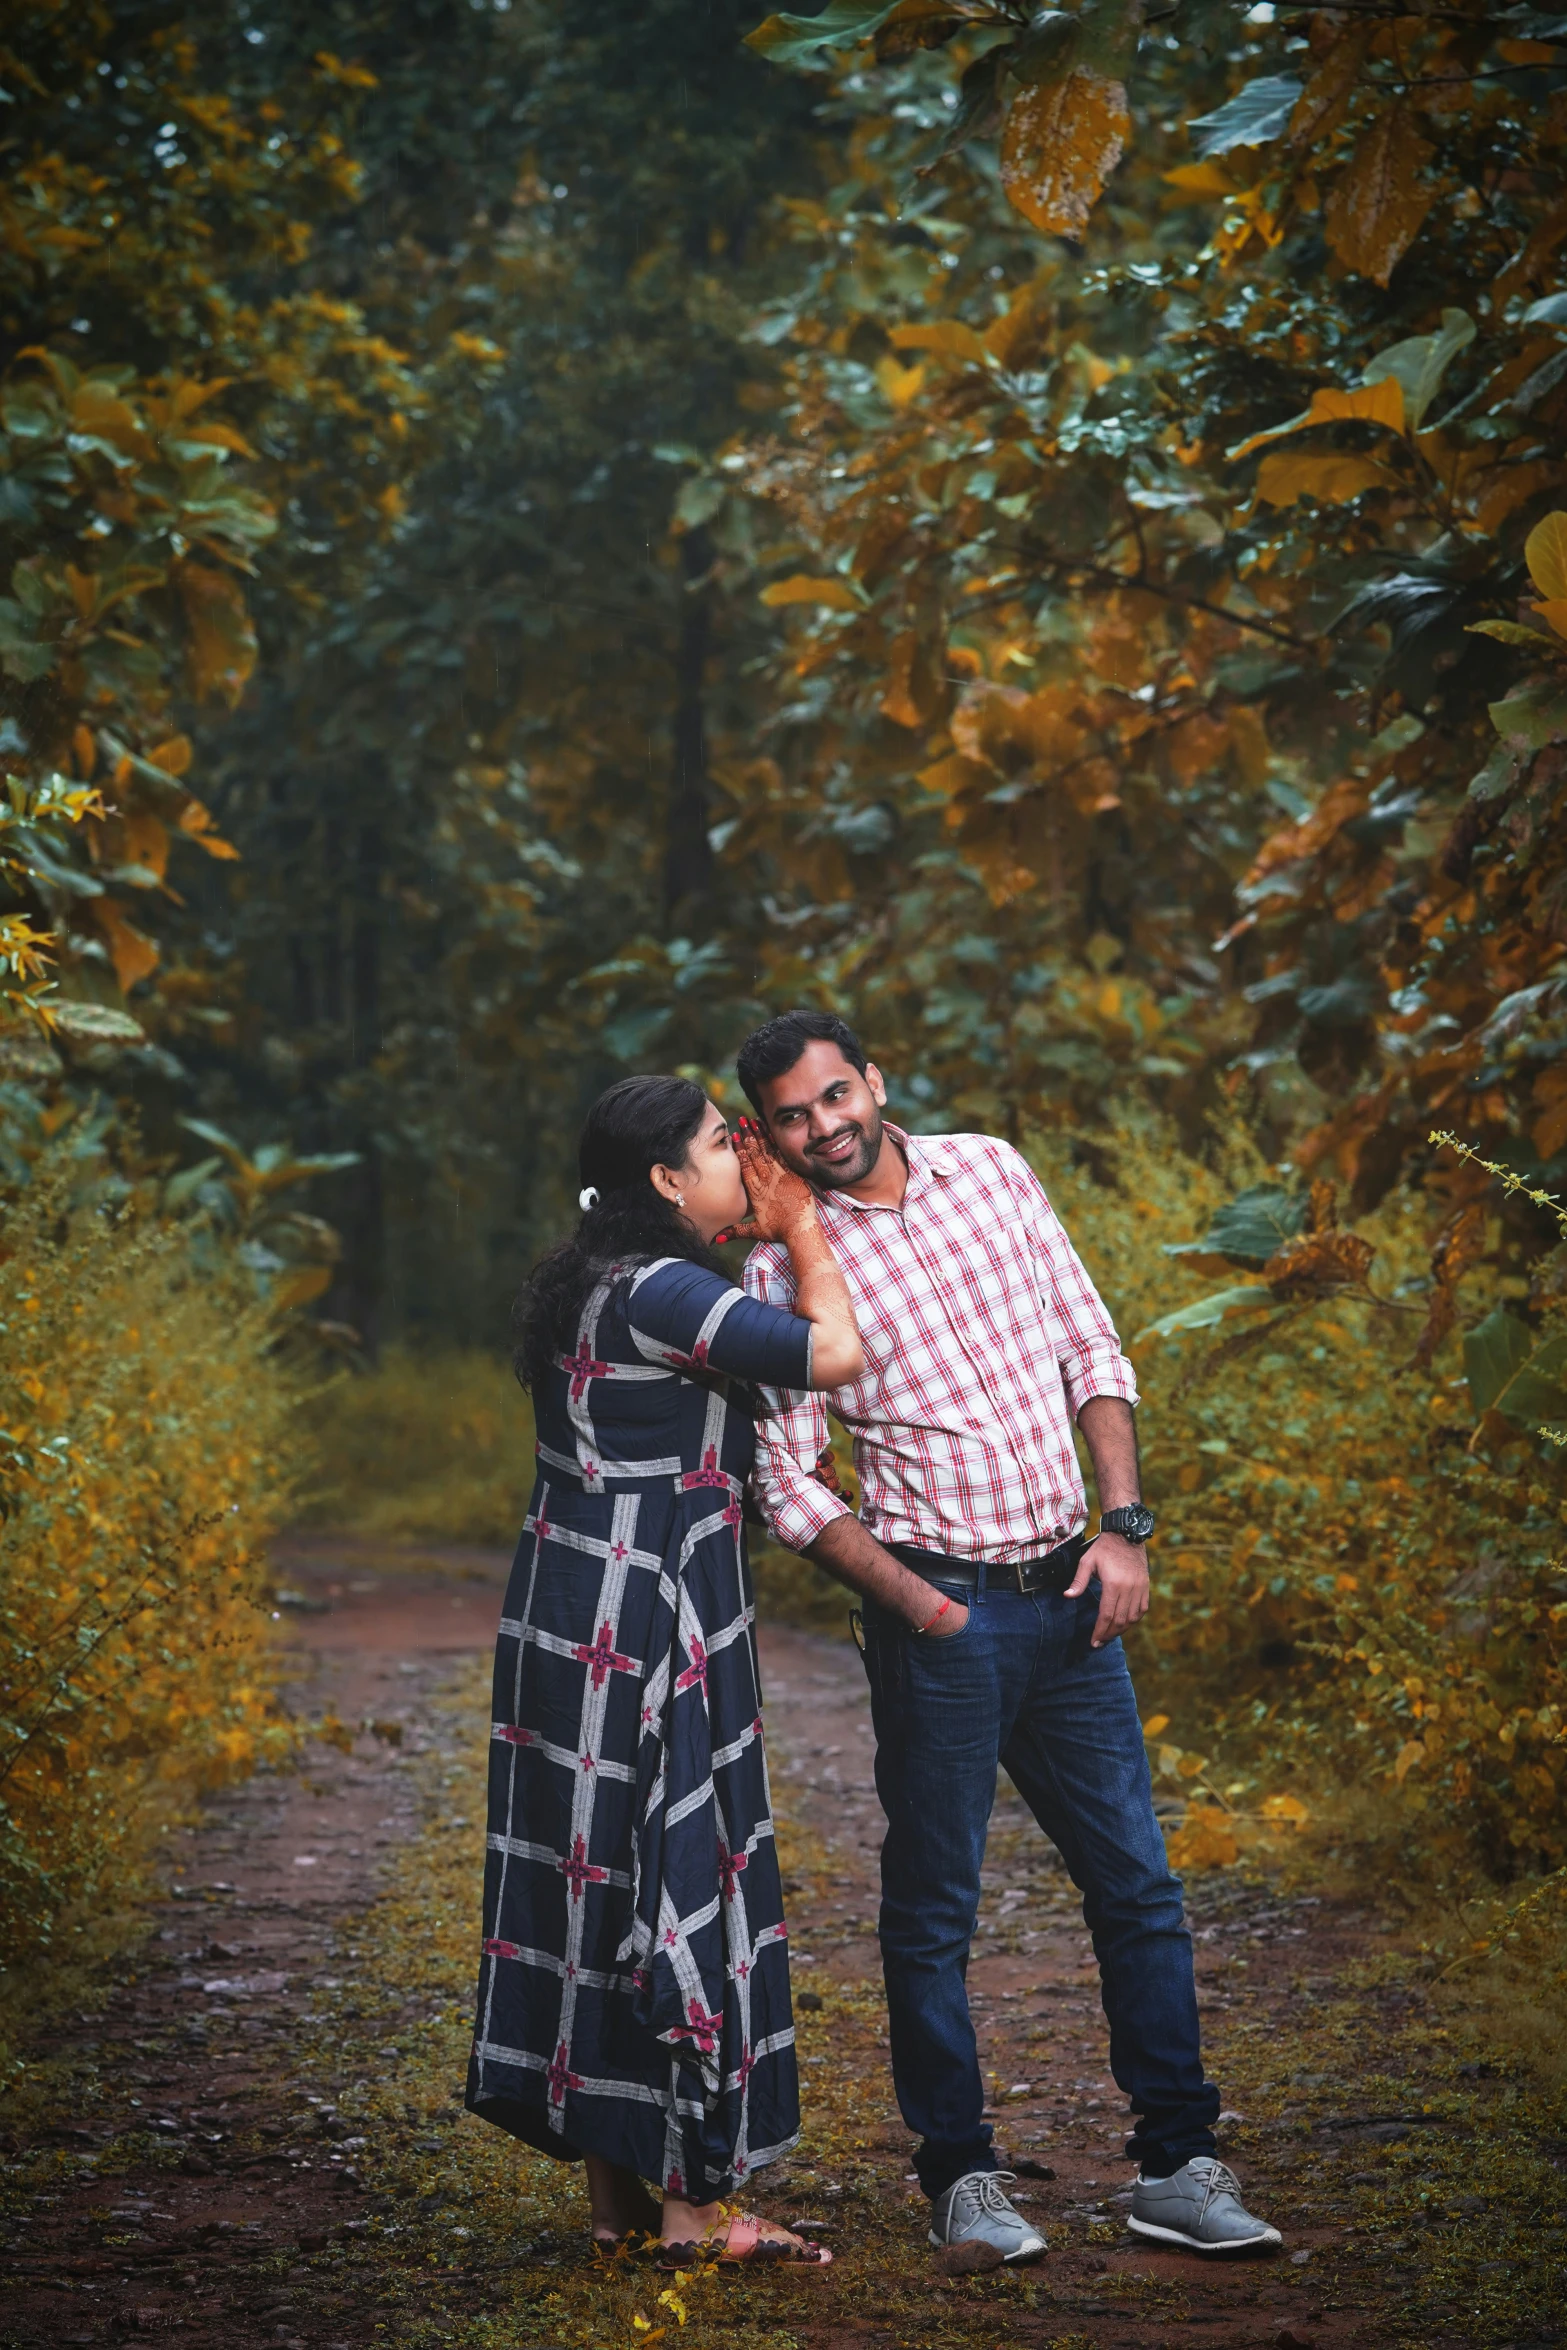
(1200, 2206)
(973, 2210)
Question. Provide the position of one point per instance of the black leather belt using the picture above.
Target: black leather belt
(1053, 1572)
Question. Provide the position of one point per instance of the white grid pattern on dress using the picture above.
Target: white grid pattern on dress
(619, 1555)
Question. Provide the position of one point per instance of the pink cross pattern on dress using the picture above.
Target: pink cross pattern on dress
(696, 1670)
(708, 1474)
(494, 1947)
(578, 1870)
(700, 2026)
(583, 1367)
(603, 1657)
(744, 2069)
(515, 1735)
(560, 2077)
(730, 1865)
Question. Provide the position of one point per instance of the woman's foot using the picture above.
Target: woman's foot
(693, 2232)
(619, 2204)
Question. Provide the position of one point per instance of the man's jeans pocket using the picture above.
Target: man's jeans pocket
(897, 1658)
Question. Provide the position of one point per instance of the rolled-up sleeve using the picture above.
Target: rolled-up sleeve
(1089, 1351)
(791, 1434)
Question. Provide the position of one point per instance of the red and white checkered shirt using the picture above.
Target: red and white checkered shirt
(983, 1337)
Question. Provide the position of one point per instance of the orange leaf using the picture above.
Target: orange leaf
(1327, 94)
(949, 338)
(799, 589)
(954, 775)
(1545, 552)
(298, 1287)
(1554, 614)
(1204, 1840)
(907, 698)
(899, 385)
(1201, 179)
(220, 642)
(1377, 203)
(1381, 402)
(174, 756)
(1061, 143)
(1331, 476)
(132, 955)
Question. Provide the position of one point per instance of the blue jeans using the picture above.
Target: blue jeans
(1021, 1685)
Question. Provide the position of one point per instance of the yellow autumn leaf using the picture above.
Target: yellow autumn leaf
(948, 338)
(1332, 476)
(1154, 1724)
(1545, 552)
(899, 385)
(173, 756)
(1409, 1755)
(1286, 1808)
(1554, 614)
(298, 1286)
(133, 955)
(220, 640)
(1204, 1840)
(1201, 179)
(1061, 142)
(1381, 402)
(799, 588)
(954, 775)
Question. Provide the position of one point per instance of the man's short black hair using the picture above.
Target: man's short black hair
(773, 1049)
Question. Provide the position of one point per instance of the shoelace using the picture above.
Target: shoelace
(986, 2190)
(1218, 2179)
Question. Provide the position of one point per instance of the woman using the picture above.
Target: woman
(633, 2004)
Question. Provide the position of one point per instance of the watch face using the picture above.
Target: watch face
(1136, 1522)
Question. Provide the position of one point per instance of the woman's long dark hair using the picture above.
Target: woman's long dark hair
(639, 1124)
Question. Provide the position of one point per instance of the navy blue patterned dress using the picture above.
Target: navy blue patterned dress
(634, 1985)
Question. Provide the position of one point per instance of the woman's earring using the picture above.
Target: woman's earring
(680, 1199)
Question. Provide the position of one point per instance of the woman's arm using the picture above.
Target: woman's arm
(783, 1208)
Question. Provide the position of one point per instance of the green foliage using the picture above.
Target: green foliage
(144, 1462)
(1163, 554)
(1359, 1605)
(427, 1447)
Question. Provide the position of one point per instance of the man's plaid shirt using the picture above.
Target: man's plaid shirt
(984, 1338)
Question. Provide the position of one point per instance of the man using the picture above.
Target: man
(991, 1623)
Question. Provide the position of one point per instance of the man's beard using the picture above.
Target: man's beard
(843, 1174)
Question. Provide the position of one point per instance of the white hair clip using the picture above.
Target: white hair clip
(588, 1197)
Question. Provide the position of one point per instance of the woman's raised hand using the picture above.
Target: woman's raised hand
(781, 1201)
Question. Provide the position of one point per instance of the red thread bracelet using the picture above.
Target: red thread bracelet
(935, 1619)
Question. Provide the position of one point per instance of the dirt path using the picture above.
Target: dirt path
(194, 2153)
(261, 2138)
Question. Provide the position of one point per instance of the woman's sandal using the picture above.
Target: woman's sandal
(744, 2241)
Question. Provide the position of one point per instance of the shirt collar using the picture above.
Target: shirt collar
(926, 1156)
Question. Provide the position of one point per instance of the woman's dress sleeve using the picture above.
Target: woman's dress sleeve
(683, 1315)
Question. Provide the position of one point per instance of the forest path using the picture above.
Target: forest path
(259, 2138)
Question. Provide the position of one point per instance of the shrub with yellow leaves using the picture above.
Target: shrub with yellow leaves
(1359, 1595)
(144, 1459)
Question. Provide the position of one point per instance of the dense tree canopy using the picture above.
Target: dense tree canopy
(1036, 525)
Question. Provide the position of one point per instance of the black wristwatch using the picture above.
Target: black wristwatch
(1136, 1522)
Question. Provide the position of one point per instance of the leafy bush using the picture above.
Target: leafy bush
(145, 1442)
(425, 1447)
(1359, 1595)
